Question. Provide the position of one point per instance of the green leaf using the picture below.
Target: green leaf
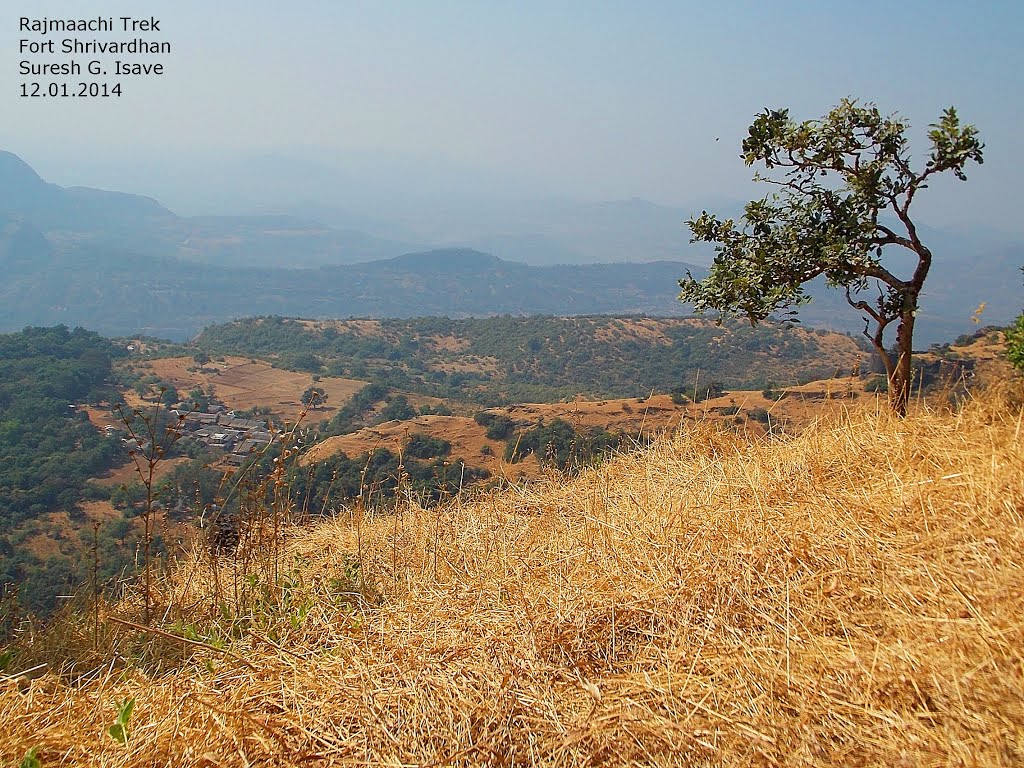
(31, 759)
(119, 730)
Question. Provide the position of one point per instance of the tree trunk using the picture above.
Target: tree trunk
(901, 376)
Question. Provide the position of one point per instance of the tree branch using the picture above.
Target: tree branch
(863, 306)
(879, 272)
(891, 238)
(882, 320)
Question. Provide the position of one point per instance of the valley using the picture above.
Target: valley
(454, 406)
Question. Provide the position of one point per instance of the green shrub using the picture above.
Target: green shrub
(300, 361)
(498, 426)
(1015, 343)
(877, 384)
(759, 415)
(559, 445)
(705, 391)
(397, 409)
(422, 446)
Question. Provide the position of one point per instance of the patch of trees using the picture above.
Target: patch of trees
(299, 361)
(536, 358)
(759, 415)
(185, 491)
(698, 392)
(397, 409)
(200, 399)
(157, 390)
(314, 397)
(189, 488)
(49, 451)
(558, 444)
(48, 448)
(1015, 343)
(422, 446)
(39, 581)
(351, 415)
(497, 425)
(377, 476)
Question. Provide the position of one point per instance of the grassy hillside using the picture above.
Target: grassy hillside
(849, 596)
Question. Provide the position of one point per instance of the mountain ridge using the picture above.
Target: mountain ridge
(137, 266)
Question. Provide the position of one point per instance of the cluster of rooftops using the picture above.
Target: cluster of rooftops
(222, 430)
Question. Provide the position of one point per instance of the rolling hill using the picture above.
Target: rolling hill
(125, 293)
(72, 216)
(542, 358)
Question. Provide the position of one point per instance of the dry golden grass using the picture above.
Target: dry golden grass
(852, 596)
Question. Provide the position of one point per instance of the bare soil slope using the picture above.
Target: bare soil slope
(242, 383)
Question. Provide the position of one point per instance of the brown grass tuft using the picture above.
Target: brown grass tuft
(853, 596)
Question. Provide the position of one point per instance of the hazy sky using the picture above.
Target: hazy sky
(591, 99)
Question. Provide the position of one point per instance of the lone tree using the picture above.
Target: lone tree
(314, 397)
(845, 188)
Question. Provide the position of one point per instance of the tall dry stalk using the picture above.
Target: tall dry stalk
(151, 448)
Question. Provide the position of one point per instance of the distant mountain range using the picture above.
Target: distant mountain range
(122, 264)
(76, 215)
(119, 293)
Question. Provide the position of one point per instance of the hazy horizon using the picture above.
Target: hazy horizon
(579, 101)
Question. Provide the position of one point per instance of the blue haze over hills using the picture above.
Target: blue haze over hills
(123, 264)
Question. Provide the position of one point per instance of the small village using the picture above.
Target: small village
(216, 428)
(219, 429)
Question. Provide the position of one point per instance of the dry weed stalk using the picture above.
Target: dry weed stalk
(152, 446)
(851, 596)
